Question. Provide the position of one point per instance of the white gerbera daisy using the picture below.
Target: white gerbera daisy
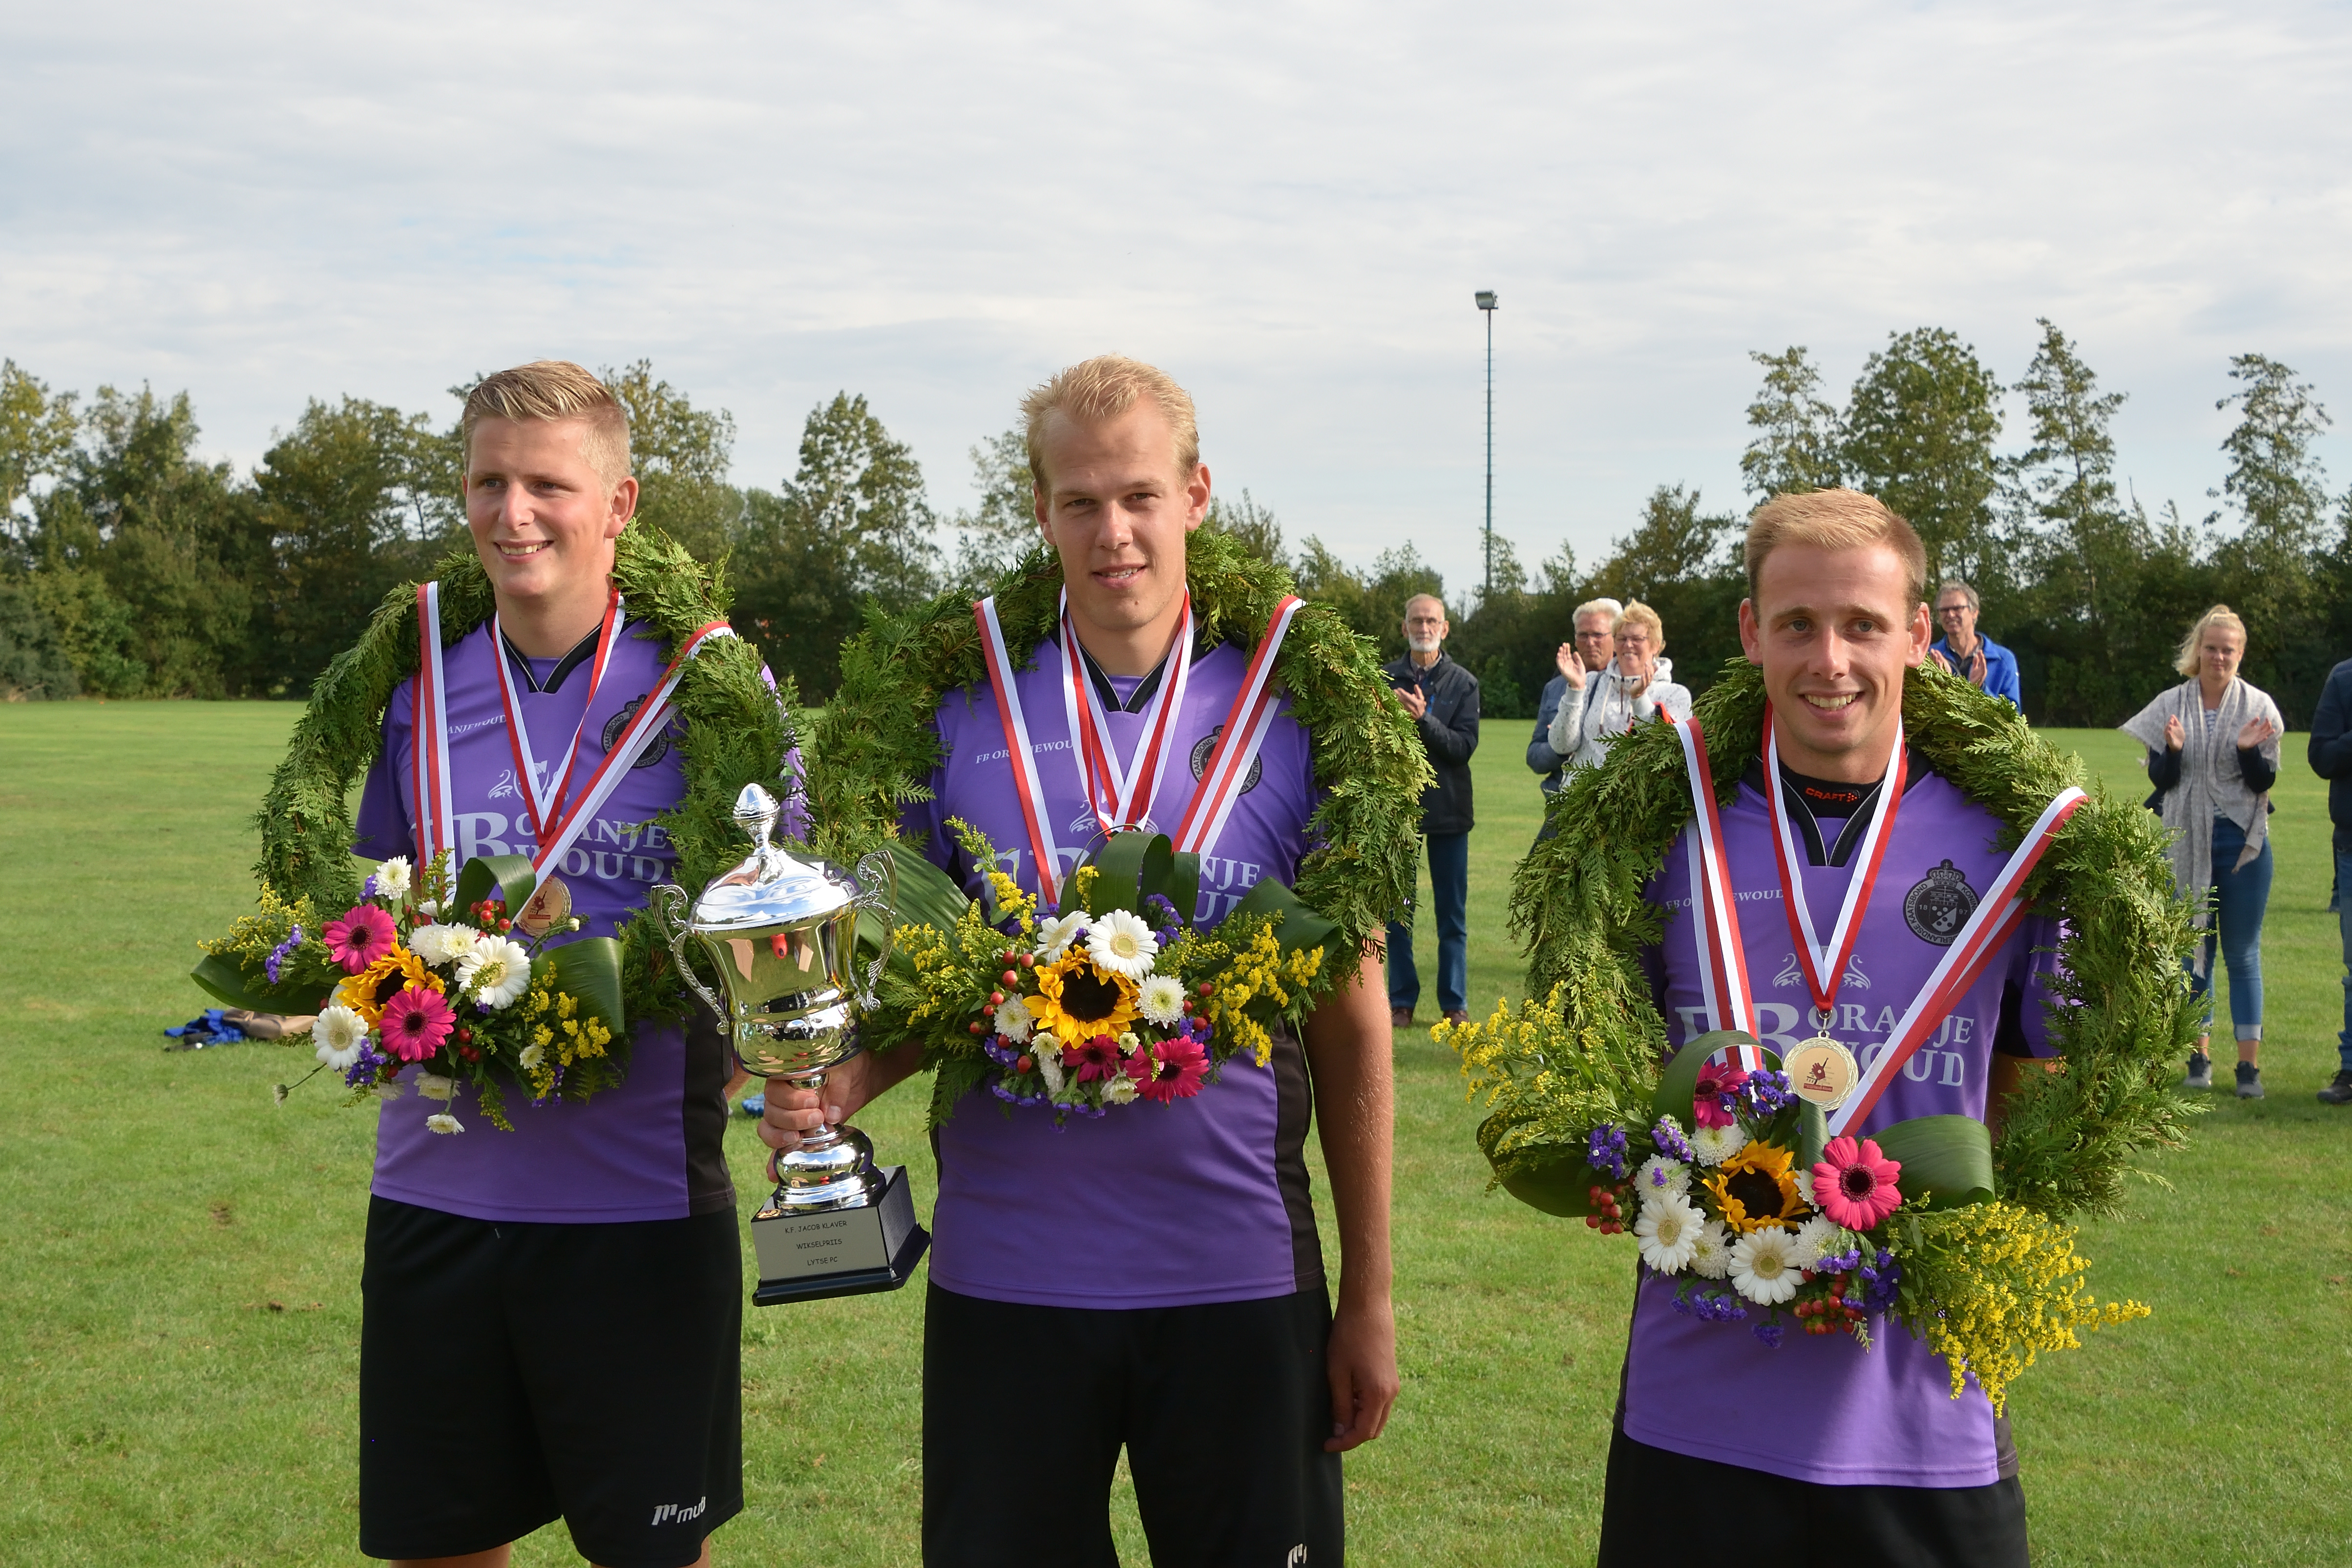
(442, 1121)
(435, 1085)
(339, 1034)
(1014, 1019)
(495, 970)
(1668, 1231)
(1710, 1252)
(391, 878)
(1122, 943)
(1803, 1176)
(1713, 1145)
(1764, 1266)
(1163, 1000)
(1659, 1177)
(440, 945)
(1119, 1089)
(1046, 1052)
(1053, 935)
(1816, 1237)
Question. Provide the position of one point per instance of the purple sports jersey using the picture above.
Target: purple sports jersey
(647, 1149)
(1203, 1199)
(1819, 1408)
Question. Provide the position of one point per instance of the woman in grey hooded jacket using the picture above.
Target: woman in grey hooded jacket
(1633, 687)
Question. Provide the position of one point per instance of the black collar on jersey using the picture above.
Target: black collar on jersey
(1813, 799)
(1142, 692)
(581, 652)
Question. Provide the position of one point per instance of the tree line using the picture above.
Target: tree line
(131, 567)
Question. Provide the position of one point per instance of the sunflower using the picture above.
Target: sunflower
(366, 992)
(1078, 999)
(1755, 1189)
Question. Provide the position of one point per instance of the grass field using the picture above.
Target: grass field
(179, 1261)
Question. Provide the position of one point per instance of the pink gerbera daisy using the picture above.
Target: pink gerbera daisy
(1855, 1184)
(1096, 1058)
(1718, 1082)
(414, 1023)
(360, 938)
(1169, 1069)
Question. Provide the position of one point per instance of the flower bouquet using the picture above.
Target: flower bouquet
(431, 974)
(1732, 1188)
(1111, 998)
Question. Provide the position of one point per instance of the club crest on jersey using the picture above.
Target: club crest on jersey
(1938, 904)
(1208, 744)
(656, 750)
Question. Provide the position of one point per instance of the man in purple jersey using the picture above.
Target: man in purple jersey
(1862, 1457)
(552, 1315)
(1151, 1279)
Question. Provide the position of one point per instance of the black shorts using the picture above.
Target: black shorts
(1224, 1410)
(510, 1375)
(1656, 1497)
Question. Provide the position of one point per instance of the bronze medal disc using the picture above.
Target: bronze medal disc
(549, 904)
(1823, 1070)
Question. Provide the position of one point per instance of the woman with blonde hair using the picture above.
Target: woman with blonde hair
(2213, 755)
(1633, 686)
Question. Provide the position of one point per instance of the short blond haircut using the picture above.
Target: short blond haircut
(1608, 606)
(2220, 615)
(556, 390)
(1835, 519)
(1641, 615)
(1102, 389)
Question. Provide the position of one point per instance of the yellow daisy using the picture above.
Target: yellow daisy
(366, 992)
(1755, 1188)
(1078, 1000)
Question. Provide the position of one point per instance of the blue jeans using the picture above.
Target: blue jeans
(2240, 899)
(1449, 880)
(2343, 929)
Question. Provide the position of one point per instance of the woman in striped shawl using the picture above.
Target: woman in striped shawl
(2213, 755)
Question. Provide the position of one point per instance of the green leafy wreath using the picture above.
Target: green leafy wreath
(876, 743)
(2123, 1015)
(738, 732)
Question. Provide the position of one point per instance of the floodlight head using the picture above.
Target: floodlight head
(1486, 299)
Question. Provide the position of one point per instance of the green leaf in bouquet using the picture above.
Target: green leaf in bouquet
(1297, 927)
(1121, 866)
(590, 969)
(224, 982)
(923, 894)
(1945, 1159)
(1560, 1185)
(508, 878)
(1813, 1133)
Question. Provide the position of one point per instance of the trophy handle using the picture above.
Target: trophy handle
(877, 889)
(669, 907)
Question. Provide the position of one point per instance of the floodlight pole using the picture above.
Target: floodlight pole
(1486, 308)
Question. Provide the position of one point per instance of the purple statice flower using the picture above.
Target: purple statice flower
(363, 1066)
(1167, 924)
(1716, 1307)
(367, 888)
(1670, 1141)
(1015, 1097)
(1770, 1334)
(1766, 1092)
(279, 954)
(1879, 1280)
(1605, 1150)
(1838, 1262)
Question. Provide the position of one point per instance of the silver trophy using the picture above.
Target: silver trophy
(783, 935)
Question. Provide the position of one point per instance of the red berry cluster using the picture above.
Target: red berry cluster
(1013, 964)
(1836, 1315)
(465, 1046)
(490, 915)
(1607, 1218)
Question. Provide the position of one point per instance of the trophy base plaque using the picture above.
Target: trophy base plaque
(808, 1256)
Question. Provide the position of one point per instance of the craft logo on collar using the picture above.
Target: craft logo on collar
(1938, 904)
(656, 750)
(1206, 745)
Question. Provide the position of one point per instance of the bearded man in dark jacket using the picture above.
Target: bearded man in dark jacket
(1443, 698)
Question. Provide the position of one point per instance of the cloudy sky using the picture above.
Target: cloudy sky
(1287, 206)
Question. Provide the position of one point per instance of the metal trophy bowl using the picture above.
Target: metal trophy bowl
(782, 934)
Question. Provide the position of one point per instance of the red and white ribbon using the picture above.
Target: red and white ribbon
(556, 824)
(1244, 732)
(436, 800)
(1121, 798)
(545, 804)
(1029, 786)
(1722, 959)
(1824, 963)
(1997, 915)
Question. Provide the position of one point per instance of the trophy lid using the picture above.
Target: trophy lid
(771, 891)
